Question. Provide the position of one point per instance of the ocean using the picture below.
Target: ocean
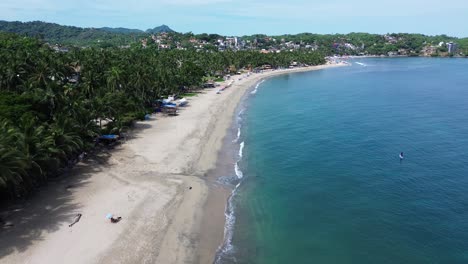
(319, 178)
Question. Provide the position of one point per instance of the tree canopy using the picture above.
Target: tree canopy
(343, 44)
(52, 103)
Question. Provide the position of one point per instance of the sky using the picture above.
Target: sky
(246, 17)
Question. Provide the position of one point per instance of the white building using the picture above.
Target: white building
(452, 47)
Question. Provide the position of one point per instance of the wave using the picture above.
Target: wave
(238, 134)
(256, 87)
(239, 117)
(362, 64)
(241, 149)
(238, 171)
(226, 249)
(239, 126)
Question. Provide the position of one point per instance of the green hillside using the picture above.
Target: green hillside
(70, 35)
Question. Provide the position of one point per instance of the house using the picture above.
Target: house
(429, 50)
(402, 52)
(350, 46)
(144, 43)
(390, 39)
(58, 48)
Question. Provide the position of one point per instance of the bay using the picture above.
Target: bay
(323, 182)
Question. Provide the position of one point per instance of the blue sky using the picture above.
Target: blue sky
(241, 17)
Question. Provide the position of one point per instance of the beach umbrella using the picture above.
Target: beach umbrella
(109, 216)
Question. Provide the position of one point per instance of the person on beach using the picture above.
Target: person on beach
(77, 219)
(112, 219)
(115, 220)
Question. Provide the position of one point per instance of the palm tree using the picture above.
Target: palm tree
(116, 85)
(113, 78)
(13, 163)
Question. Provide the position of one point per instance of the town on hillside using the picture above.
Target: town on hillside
(359, 44)
(61, 38)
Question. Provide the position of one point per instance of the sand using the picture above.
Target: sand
(146, 181)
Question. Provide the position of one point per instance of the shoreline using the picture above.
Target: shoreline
(161, 182)
(214, 218)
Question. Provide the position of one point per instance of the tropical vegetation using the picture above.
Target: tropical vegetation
(77, 36)
(53, 105)
(328, 44)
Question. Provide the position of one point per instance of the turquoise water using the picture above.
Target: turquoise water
(322, 179)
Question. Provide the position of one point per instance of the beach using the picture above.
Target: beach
(157, 181)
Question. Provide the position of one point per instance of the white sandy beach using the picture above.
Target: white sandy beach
(146, 181)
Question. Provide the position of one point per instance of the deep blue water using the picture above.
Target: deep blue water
(322, 179)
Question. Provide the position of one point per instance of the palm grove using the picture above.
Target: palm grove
(48, 116)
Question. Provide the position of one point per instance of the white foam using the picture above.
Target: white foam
(256, 87)
(362, 64)
(241, 149)
(239, 116)
(238, 171)
(227, 247)
(238, 135)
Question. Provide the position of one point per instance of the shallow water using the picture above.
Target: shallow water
(322, 179)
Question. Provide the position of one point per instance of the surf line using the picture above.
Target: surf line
(226, 248)
(256, 87)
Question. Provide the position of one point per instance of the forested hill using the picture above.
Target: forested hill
(160, 29)
(70, 35)
(163, 37)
